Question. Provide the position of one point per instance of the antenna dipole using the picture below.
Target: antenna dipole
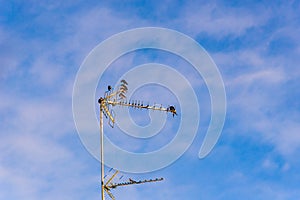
(118, 98)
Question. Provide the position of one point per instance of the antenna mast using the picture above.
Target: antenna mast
(112, 98)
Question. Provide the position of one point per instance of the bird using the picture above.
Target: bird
(172, 110)
(132, 181)
(124, 82)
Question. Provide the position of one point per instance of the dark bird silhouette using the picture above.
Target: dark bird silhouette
(124, 82)
(172, 110)
(132, 181)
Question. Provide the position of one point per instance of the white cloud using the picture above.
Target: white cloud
(37, 161)
(268, 164)
(11, 52)
(220, 21)
(268, 76)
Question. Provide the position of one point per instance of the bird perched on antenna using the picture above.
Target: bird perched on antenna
(132, 181)
(172, 110)
(124, 82)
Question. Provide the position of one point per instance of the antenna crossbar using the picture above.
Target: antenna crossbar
(109, 194)
(170, 109)
(108, 113)
(112, 177)
(132, 182)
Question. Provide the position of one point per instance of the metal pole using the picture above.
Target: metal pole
(102, 152)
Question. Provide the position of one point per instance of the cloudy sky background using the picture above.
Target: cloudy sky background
(255, 46)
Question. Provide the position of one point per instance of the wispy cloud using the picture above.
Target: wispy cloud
(43, 45)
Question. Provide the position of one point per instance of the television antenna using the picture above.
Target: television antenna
(109, 185)
(114, 98)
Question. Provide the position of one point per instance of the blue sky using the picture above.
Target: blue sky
(255, 45)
